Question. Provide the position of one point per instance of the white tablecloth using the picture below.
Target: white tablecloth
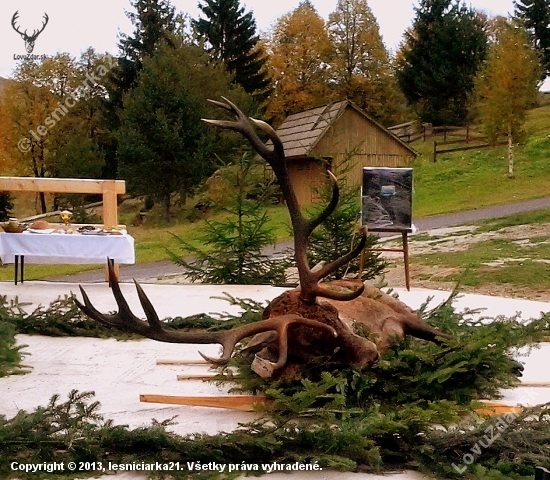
(58, 248)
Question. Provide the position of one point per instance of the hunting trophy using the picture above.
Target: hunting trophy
(315, 320)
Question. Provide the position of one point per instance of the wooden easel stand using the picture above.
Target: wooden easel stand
(404, 250)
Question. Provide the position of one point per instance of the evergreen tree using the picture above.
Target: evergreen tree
(535, 15)
(231, 35)
(164, 148)
(363, 69)
(6, 206)
(235, 243)
(439, 60)
(154, 24)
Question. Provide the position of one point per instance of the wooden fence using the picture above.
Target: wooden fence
(451, 135)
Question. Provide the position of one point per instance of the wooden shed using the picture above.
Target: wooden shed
(325, 136)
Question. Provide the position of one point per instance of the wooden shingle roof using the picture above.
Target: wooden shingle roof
(301, 131)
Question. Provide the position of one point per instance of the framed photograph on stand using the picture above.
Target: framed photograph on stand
(386, 198)
(386, 206)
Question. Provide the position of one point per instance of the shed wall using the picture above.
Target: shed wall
(306, 176)
(372, 146)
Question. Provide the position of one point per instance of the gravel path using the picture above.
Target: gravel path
(145, 272)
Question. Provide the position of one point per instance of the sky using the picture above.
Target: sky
(73, 25)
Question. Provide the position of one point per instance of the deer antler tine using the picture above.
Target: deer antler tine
(124, 308)
(220, 123)
(332, 266)
(272, 134)
(215, 361)
(335, 198)
(220, 104)
(148, 308)
(234, 108)
(342, 296)
(90, 310)
(266, 127)
(283, 347)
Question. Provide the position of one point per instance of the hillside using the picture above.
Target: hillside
(478, 178)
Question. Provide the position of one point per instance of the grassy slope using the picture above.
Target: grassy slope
(476, 265)
(478, 178)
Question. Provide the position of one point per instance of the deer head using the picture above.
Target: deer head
(29, 39)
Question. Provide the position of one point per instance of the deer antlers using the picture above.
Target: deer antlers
(29, 39)
(355, 349)
(275, 157)
(152, 328)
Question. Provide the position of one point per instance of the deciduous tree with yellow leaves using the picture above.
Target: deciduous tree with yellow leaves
(507, 85)
(362, 67)
(300, 60)
(48, 119)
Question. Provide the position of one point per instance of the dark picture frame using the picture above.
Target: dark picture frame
(386, 198)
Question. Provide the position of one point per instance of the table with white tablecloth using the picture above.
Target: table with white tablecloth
(55, 248)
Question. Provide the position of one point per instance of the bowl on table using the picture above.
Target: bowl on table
(10, 227)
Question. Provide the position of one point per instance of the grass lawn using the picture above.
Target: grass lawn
(521, 261)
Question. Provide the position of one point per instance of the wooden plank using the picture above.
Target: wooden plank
(470, 140)
(494, 409)
(534, 384)
(197, 376)
(110, 207)
(461, 149)
(173, 361)
(244, 403)
(58, 185)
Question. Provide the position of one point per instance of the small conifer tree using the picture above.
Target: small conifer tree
(233, 246)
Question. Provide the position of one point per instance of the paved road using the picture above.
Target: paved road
(143, 272)
(460, 218)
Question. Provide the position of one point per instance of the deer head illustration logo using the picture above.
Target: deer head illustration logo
(29, 39)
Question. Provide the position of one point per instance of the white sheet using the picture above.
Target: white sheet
(58, 248)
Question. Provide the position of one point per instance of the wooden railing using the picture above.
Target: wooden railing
(468, 137)
(108, 188)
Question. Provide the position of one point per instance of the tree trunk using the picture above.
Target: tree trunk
(510, 153)
(167, 205)
(43, 206)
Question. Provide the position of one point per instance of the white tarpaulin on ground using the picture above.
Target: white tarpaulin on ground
(119, 371)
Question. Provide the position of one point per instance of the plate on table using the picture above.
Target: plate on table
(97, 231)
(44, 230)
